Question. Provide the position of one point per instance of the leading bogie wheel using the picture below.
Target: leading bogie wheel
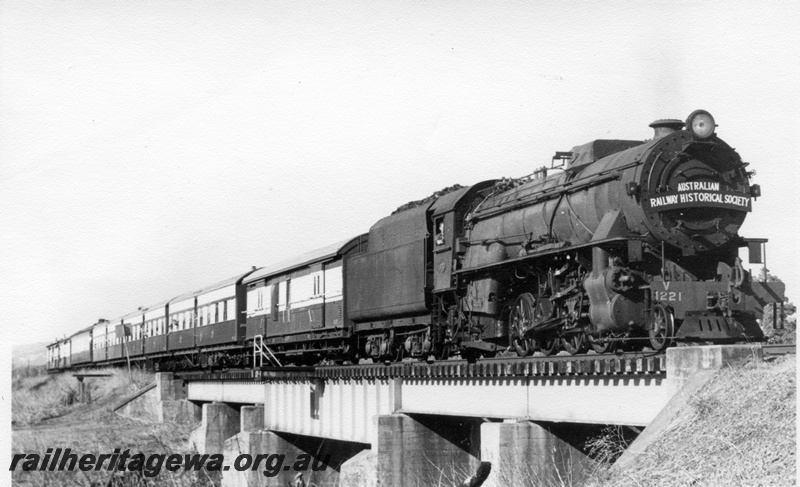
(661, 327)
(600, 345)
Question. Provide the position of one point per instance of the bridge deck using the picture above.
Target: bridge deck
(341, 402)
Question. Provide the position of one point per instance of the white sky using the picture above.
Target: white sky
(148, 148)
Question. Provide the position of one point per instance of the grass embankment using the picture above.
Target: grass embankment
(38, 397)
(739, 429)
(46, 413)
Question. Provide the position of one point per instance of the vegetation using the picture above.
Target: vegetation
(738, 430)
(47, 413)
(38, 396)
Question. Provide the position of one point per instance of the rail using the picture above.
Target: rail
(630, 363)
(567, 365)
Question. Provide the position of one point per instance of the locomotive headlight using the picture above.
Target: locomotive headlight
(700, 124)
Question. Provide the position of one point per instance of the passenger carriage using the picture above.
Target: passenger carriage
(133, 339)
(53, 356)
(114, 335)
(81, 347)
(297, 306)
(100, 341)
(221, 313)
(182, 322)
(154, 328)
(64, 354)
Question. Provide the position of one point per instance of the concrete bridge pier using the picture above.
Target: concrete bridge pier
(173, 404)
(220, 422)
(415, 450)
(426, 450)
(276, 458)
(524, 452)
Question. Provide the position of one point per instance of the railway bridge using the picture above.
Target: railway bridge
(432, 423)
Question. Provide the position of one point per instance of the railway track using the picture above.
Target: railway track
(619, 364)
(630, 363)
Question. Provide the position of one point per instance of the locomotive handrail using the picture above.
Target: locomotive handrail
(535, 254)
(570, 186)
(546, 194)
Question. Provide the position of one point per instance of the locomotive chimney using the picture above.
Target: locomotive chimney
(665, 127)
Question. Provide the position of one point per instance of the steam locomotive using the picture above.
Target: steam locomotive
(619, 244)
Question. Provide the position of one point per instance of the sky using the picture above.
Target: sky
(149, 148)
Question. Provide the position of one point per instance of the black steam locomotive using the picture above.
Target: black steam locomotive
(624, 244)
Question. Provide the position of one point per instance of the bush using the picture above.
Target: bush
(36, 398)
